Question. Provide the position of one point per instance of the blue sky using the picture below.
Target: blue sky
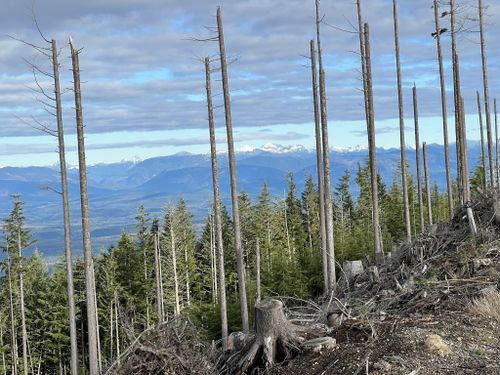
(143, 88)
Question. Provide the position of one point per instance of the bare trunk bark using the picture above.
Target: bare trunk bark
(487, 111)
(257, 266)
(111, 329)
(483, 159)
(372, 150)
(457, 96)
(174, 264)
(159, 311)
(465, 160)
(217, 209)
(12, 318)
(417, 155)
(496, 140)
(117, 328)
(232, 170)
(21, 302)
(427, 185)
(4, 364)
(162, 295)
(444, 111)
(319, 167)
(188, 286)
(98, 336)
(330, 243)
(66, 215)
(404, 182)
(87, 245)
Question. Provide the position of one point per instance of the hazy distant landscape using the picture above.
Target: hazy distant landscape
(116, 190)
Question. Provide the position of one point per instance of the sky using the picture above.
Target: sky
(143, 77)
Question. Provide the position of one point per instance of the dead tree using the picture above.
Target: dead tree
(159, 299)
(12, 317)
(404, 177)
(449, 184)
(463, 139)
(417, 158)
(465, 160)
(456, 96)
(22, 306)
(330, 243)
(483, 160)
(496, 139)
(487, 111)
(66, 214)
(257, 272)
(87, 245)
(427, 185)
(173, 245)
(217, 210)
(274, 341)
(372, 150)
(240, 267)
(319, 166)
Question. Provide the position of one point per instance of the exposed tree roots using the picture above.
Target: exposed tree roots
(274, 342)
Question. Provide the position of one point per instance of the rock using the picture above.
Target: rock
(435, 344)
(478, 263)
(335, 319)
(353, 268)
(236, 341)
(320, 343)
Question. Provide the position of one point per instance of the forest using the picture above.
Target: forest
(84, 314)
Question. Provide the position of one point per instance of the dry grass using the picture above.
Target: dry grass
(487, 306)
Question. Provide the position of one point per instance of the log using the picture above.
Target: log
(274, 342)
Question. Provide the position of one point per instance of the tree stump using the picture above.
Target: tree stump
(274, 342)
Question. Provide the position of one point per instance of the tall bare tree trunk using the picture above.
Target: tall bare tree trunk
(487, 111)
(483, 159)
(465, 160)
(4, 363)
(159, 310)
(117, 328)
(319, 166)
(112, 330)
(427, 185)
(87, 245)
(188, 281)
(330, 243)
(257, 266)
(372, 149)
(240, 267)
(444, 111)
(457, 96)
(66, 215)
(12, 318)
(98, 336)
(217, 209)
(496, 140)
(404, 182)
(21, 302)
(162, 294)
(177, 310)
(417, 155)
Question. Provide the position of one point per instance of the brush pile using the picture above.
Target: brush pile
(442, 269)
(172, 347)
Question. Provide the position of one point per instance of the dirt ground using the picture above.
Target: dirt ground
(398, 348)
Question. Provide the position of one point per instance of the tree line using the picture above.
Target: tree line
(168, 267)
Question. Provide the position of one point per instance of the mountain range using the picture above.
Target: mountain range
(116, 190)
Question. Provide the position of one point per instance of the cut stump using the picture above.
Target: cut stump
(274, 342)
